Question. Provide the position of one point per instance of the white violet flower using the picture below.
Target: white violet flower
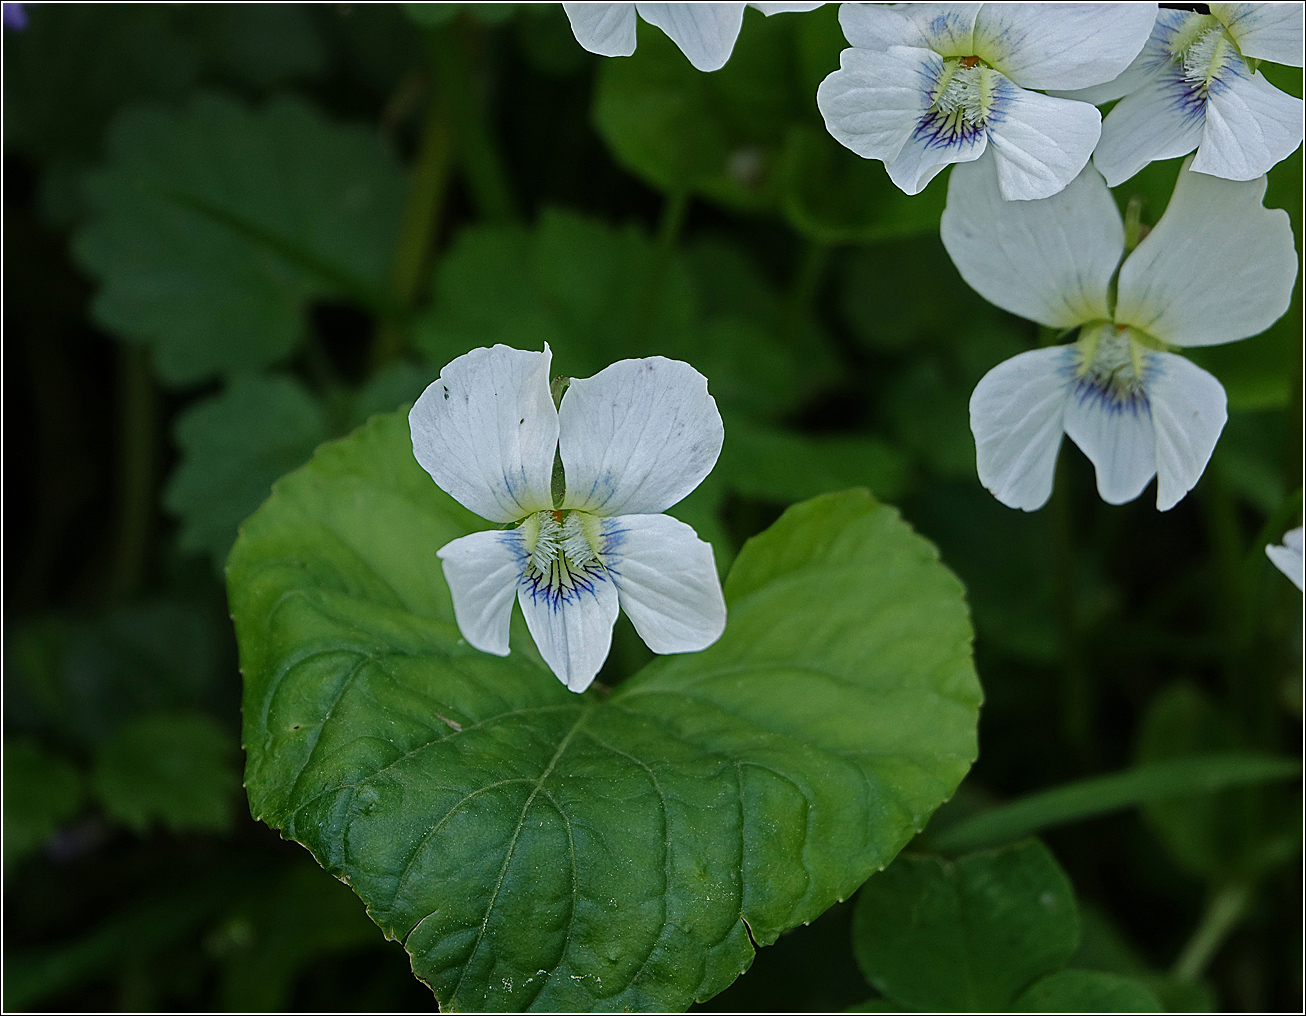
(1287, 557)
(633, 440)
(705, 32)
(1195, 86)
(927, 85)
(1217, 267)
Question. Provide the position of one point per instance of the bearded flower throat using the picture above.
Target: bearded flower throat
(962, 100)
(1111, 365)
(1204, 49)
(561, 548)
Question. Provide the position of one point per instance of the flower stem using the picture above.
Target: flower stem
(673, 218)
(137, 465)
(1076, 688)
(1227, 906)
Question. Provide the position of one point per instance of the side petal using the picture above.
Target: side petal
(1016, 415)
(705, 33)
(947, 29)
(1040, 142)
(1062, 45)
(572, 629)
(482, 571)
(637, 436)
(1265, 31)
(1117, 436)
(1130, 80)
(1288, 557)
(605, 29)
(1162, 120)
(933, 146)
(666, 581)
(486, 431)
(1050, 261)
(876, 99)
(1250, 127)
(1217, 267)
(1188, 412)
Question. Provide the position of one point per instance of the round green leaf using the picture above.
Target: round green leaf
(534, 849)
(1087, 991)
(965, 936)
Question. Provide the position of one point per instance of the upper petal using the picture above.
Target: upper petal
(876, 99)
(1188, 412)
(948, 29)
(1250, 126)
(1217, 267)
(637, 436)
(605, 29)
(1049, 260)
(1288, 558)
(1040, 142)
(486, 431)
(1062, 45)
(666, 581)
(1117, 436)
(1265, 31)
(482, 571)
(572, 629)
(1162, 120)
(1016, 415)
(705, 32)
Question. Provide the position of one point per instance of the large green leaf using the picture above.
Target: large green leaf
(214, 227)
(966, 936)
(1086, 991)
(534, 849)
(42, 790)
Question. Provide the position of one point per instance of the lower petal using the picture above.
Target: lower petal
(705, 33)
(1162, 120)
(1250, 126)
(1117, 436)
(572, 628)
(1016, 416)
(482, 571)
(666, 580)
(1041, 143)
(605, 29)
(1188, 412)
(931, 148)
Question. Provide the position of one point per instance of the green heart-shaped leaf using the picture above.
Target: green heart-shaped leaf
(534, 849)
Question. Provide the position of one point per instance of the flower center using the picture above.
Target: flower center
(562, 557)
(1204, 49)
(961, 101)
(1111, 364)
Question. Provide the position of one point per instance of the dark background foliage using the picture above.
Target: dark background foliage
(202, 209)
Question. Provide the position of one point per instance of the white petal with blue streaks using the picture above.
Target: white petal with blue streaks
(482, 571)
(1040, 142)
(1250, 127)
(1117, 436)
(1188, 412)
(572, 631)
(1164, 119)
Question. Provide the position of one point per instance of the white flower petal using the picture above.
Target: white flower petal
(1118, 438)
(486, 431)
(1162, 120)
(948, 29)
(1216, 268)
(1250, 126)
(875, 100)
(573, 632)
(1265, 31)
(928, 152)
(637, 436)
(1050, 260)
(666, 581)
(1040, 142)
(1062, 45)
(605, 29)
(482, 571)
(1130, 80)
(705, 32)
(783, 8)
(1188, 412)
(1016, 415)
(1288, 558)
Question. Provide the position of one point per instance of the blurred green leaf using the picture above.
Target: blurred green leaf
(501, 826)
(176, 769)
(1147, 782)
(597, 295)
(445, 13)
(1087, 991)
(41, 792)
(965, 936)
(233, 446)
(215, 227)
(256, 45)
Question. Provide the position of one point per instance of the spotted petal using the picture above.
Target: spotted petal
(705, 32)
(482, 571)
(1016, 415)
(486, 431)
(1188, 412)
(637, 437)
(666, 581)
(1217, 267)
(605, 29)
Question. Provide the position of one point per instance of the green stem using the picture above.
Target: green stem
(673, 218)
(811, 268)
(137, 465)
(1227, 906)
(1076, 689)
(417, 228)
(1228, 550)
